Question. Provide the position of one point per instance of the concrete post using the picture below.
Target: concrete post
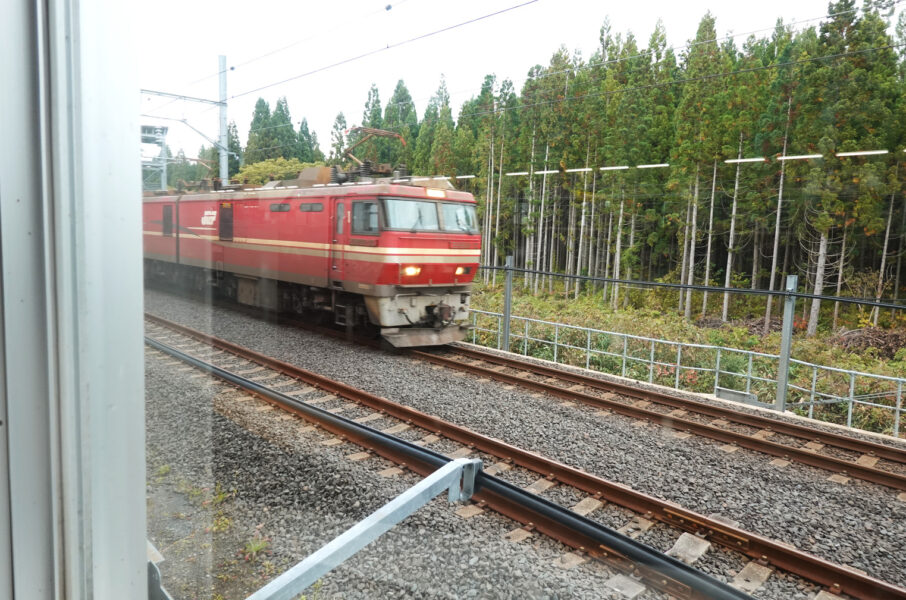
(786, 342)
(507, 303)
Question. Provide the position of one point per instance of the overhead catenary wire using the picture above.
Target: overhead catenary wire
(674, 48)
(384, 49)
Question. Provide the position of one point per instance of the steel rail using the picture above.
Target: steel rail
(838, 578)
(658, 570)
(829, 463)
(793, 429)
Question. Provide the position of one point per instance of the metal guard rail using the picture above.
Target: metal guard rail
(816, 397)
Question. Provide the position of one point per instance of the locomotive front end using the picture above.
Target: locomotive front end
(425, 296)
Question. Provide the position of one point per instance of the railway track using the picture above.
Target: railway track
(838, 453)
(835, 452)
(591, 539)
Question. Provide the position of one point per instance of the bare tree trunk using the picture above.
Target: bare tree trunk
(630, 247)
(875, 311)
(682, 274)
(756, 241)
(570, 245)
(773, 273)
(607, 249)
(786, 260)
(896, 281)
(555, 244)
(710, 234)
(579, 253)
(616, 258)
(819, 285)
(499, 186)
(596, 266)
(840, 277)
(540, 259)
(690, 279)
(731, 250)
(595, 256)
(489, 205)
(529, 261)
(594, 237)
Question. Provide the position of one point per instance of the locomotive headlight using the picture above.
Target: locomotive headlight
(411, 271)
(460, 270)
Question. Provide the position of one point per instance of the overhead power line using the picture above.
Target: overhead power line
(384, 49)
(177, 97)
(642, 54)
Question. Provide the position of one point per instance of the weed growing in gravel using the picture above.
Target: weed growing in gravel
(221, 495)
(193, 492)
(163, 471)
(268, 568)
(221, 523)
(256, 546)
(315, 592)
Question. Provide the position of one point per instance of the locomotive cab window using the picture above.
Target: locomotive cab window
(311, 207)
(410, 215)
(365, 218)
(459, 217)
(280, 207)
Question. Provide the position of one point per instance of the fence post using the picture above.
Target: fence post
(507, 302)
(786, 342)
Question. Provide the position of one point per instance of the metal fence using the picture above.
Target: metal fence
(852, 398)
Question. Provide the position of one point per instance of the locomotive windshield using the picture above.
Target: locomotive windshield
(459, 217)
(422, 215)
(412, 215)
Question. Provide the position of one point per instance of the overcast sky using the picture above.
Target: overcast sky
(268, 41)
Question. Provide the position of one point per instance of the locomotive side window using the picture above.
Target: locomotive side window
(341, 216)
(311, 207)
(280, 207)
(365, 218)
(167, 223)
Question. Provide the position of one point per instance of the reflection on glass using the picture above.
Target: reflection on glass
(364, 217)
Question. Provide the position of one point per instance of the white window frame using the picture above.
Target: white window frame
(72, 469)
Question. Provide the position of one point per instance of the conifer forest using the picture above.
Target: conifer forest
(726, 161)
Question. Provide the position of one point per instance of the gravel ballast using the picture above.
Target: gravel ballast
(858, 524)
(221, 479)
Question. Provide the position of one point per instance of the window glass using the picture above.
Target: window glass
(414, 215)
(168, 221)
(311, 207)
(341, 216)
(280, 207)
(365, 218)
(459, 217)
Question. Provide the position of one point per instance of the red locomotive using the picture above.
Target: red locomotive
(398, 253)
